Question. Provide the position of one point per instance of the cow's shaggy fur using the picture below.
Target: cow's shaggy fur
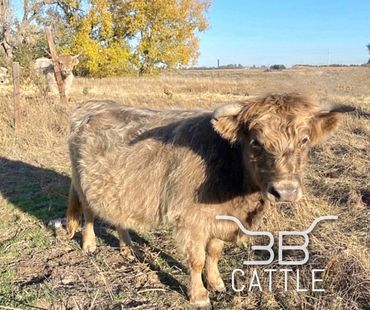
(135, 168)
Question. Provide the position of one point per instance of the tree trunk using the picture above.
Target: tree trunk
(5, 28)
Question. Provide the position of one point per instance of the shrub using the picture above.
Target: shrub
(277, 67)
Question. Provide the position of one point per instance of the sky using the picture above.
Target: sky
(267, 32)
(288, 32)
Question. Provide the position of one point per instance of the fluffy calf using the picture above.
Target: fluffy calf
(66, 63)
(135, 168)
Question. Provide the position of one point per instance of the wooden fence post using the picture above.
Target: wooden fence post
(57, 71)
(16, 95)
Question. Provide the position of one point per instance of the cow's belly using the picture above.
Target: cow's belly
(140, 185)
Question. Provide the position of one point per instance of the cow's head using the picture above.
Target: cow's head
(66, 63)
(275, 133)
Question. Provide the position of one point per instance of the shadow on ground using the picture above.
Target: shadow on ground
(42, 193)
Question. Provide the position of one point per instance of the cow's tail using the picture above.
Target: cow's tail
(74, 212)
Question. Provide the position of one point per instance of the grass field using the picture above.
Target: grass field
(41, 269)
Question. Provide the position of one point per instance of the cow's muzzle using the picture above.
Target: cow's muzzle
(284, 191)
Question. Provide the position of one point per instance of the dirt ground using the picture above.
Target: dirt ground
(41, 269)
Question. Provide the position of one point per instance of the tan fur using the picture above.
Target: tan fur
(74, 212)
(66, 63)
(135, 168)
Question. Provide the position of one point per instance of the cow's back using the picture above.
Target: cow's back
(136, 165)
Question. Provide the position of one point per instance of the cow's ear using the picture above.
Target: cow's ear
(327, 120)
(75, 60)
(224, 121)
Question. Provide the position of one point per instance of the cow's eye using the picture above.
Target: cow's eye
(305, 141)
(255, 144)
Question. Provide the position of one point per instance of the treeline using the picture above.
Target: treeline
(114, 37)
(276, 67)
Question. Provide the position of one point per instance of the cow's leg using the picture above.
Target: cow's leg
(214, 251)
(88, 234)
(196, 254)
(126, 246)
(52, 84)
(124, 237)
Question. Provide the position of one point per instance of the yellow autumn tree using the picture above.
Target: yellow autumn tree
(116, 36)
(162, 33)
(102, 52)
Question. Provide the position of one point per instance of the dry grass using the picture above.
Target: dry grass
(39, 267)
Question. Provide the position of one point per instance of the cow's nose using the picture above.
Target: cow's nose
(284, 191)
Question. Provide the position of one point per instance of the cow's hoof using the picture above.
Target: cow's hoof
(220, 289)
(89, 248)
(219, 286)
(128, 253)
(202, 304)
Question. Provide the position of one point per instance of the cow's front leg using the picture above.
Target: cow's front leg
(214, 251)
(196, 254)
(88, 235)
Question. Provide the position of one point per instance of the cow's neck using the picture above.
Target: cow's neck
(252, 204)
(249, 186)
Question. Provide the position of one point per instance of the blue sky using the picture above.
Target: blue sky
(286, 32)
(255, 32)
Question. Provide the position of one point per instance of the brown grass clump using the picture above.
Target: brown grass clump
(39, 267)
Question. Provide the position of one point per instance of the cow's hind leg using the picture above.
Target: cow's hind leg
(74, 212)
(126, 246)
(124, 237)
(88, 234)
(214, 251)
